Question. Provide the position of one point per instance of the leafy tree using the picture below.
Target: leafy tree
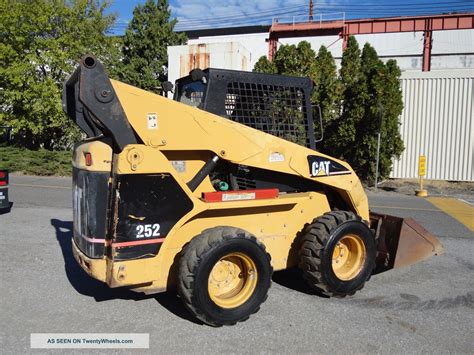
(147, 37)
(41, 43)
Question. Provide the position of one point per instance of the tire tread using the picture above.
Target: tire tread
(315, 237)
(189, 261)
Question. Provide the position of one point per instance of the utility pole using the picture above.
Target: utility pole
(310, 11)
(380, 117)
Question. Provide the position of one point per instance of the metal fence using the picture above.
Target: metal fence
(437, 121)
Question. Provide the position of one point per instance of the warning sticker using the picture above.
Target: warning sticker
(179, 165)
(238, 197)
(276, 157)
(152, 120)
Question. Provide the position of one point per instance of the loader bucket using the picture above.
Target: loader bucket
(401, 242)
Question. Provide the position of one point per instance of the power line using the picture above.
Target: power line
(353, 7)
(348, 14)
(340, 8)
(351, 10)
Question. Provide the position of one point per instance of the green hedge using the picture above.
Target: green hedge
(36, 162)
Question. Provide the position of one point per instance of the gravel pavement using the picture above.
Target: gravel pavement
(425, 308)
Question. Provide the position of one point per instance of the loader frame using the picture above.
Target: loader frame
(142, 177)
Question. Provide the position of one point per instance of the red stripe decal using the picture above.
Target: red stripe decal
(138, 242)
(93, 240)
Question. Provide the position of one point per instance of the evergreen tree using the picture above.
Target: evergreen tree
(263, 65)
(145, 57)
(295, 60)
(301, 60)
(289, 60)
(364, 99)
(368, 127)
(382, 107)
(327, 94)
(392, 144)
(354, 95)
(41, 44)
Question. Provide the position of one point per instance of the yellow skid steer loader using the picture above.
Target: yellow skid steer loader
(213, 191)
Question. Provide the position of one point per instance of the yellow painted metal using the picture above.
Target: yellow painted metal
(421, 173)
(186, 128)
(348, 257)
(96, 268)
(187, 137)
(274, 225)
(422, 166)
(186, 163)
(232, 280)
(131, 272)
(101, 156)
(275, 222)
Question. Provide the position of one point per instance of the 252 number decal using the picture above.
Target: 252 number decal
(147, 230)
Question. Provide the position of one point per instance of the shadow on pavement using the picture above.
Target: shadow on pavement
(86, 285)
(292, 279)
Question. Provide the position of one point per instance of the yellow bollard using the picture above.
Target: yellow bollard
(421, 172)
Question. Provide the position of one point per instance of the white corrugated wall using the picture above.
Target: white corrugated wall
(437, 121)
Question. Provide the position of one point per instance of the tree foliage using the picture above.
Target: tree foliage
(145, 58)
(356, 103)
(263, 65)
(289, 60)
(383, 106)
(354, 94)
(41, 43)
(297, 60)
(327, 95)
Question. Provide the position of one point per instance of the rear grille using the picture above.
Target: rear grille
(90, 199)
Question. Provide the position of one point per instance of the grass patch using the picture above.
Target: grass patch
(36, 162)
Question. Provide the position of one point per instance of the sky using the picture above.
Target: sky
(199, 14)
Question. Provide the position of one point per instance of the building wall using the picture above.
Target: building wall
(438, 122)
(452, 49)
(228, 55)
(254, 43)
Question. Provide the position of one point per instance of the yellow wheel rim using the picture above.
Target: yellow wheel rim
(232, 280)
(348, 257)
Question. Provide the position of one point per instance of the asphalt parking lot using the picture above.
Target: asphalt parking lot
(428, 307)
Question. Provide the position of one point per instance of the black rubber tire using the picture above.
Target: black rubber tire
(317, 245)
(196, 262)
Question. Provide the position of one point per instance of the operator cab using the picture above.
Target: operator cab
(275, 104)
